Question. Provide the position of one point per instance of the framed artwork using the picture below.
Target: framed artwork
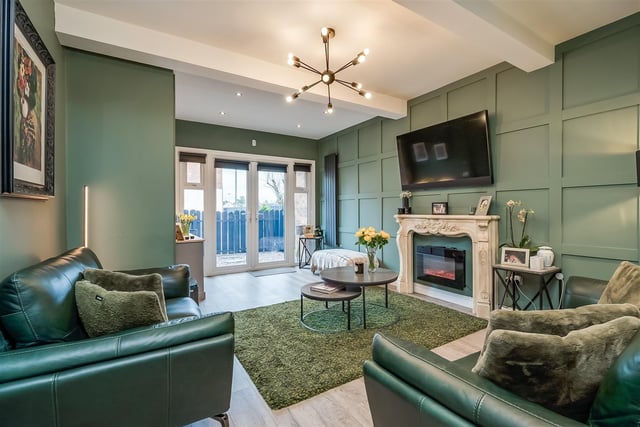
(483, 205)
(27, 121)
(515, 256)
(439, 208)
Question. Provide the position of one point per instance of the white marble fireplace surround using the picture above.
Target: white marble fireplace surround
(483, 231)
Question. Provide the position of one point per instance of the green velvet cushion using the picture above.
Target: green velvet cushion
(116, 281)
(104, 312)
(618, 400)
(624, 285)
(559, 373)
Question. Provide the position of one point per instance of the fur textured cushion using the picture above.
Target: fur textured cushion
(559, 373)
(557, 322)
(104, 312)
(624, 285)
(116, 281)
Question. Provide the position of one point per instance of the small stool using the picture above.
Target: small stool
(342, 296)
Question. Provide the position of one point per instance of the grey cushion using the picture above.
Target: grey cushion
(104, 312)
(624, 285)
(560, 373)
(116, 281)
(558, 322)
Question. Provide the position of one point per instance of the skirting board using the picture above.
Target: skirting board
(461, 300)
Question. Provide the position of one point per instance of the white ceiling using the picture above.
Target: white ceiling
(219, 48)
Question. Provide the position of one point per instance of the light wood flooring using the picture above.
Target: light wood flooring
(342, 406)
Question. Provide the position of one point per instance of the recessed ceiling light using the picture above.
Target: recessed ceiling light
(238, 94)
(222, 113)
(299, 125)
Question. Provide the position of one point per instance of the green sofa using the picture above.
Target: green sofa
(52, 374)
(408, 385)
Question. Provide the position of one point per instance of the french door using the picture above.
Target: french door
(251, 213)
(253, 206)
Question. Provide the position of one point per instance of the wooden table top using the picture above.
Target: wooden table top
(348, 276)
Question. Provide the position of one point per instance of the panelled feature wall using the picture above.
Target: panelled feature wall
(563, 141)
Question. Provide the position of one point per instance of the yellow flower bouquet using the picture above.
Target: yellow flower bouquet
(372, 240)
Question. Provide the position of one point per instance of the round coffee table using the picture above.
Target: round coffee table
(337, 296)
(347, 276)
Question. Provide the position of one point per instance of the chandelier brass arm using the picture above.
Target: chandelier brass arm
(327, 76)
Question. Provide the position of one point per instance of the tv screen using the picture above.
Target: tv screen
(456, 153)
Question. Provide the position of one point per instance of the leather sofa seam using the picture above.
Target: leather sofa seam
(478, 407)
(467, 382)
(54, 392)
(16, 284)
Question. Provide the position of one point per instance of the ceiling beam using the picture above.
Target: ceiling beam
(488, 28)
(95, 33)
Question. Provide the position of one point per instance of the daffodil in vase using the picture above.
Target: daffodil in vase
(372, 241)
(185, 224)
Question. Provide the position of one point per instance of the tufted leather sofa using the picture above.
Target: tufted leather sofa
(52, 374)
(408, 385)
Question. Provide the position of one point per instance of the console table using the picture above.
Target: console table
(546, 277)
(191, 252)
(305, 251)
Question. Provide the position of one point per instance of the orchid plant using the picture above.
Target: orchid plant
(522, 215)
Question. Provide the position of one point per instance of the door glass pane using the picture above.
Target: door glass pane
(301, 179)
(271, 199)
(194, 173)
(194, 205)
(231, 217)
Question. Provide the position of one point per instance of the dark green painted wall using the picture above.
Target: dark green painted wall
(121, 144)
(563, 141)
(213, 137)
(33, 230)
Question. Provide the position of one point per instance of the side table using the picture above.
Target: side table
(342, 295)
(305, 251)
(546, 277)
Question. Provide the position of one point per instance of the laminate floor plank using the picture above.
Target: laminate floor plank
(345, 405)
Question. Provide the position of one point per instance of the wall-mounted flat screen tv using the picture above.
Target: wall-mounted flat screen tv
(456, 153)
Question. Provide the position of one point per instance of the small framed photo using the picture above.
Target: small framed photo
(439, 208)
(483, 205)
(515, 256)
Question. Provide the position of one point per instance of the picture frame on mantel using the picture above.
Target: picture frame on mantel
(483, 205)
(27, 112)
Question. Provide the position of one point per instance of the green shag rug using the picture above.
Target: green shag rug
(289, 363)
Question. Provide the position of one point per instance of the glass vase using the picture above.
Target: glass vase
(185, 229)
(372, 264)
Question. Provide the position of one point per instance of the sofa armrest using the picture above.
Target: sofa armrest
(33, 361)
(581, 291)
(411, 386)
(175, 279)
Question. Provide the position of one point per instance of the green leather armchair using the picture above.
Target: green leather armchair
(52, 374)
(408, 385)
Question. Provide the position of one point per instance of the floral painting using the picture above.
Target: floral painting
(27, 109)
(28, 124)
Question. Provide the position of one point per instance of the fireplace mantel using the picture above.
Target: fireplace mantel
(483, 231)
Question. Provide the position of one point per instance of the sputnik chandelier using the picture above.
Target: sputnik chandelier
(327, 76)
